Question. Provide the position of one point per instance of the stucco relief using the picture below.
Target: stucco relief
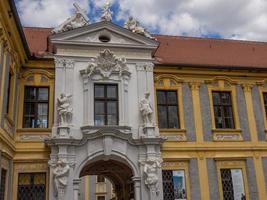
(106, 64)
(64, 63)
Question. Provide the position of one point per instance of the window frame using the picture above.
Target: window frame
(105, 100)
(171, 82)
(222, 106)
(36, 102)
(176, 166)
(232, 164)
(166, 106)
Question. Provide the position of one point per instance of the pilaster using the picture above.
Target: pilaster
(250, 111)
(260, 177)
(203, 178)
(195, 86)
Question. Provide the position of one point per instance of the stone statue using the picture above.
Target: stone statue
(64, 109)
(78, 20)
(106, 12)
(146, 110)
(134, 26)
(61, 173)
(151, 166)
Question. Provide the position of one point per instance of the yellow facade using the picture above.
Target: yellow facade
(23, 150)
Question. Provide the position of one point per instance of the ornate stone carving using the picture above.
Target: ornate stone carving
(106, 12)
(78, 20)
(61, 173)
(106, 64)
(134, 26)
(64, 109)
(146, 110)
(227, 137)
(27, 137)
(151, 167)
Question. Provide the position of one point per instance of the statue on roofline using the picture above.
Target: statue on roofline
(106, 12)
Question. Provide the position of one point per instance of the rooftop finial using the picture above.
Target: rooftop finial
(106, 12)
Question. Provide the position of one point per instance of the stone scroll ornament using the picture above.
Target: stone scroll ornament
(60, 176)
(64, 109)
(146, 110)
(151, 167)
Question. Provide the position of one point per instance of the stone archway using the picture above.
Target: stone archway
(117, 172)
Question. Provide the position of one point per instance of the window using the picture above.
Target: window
(3, 184)
(223, 112)
(174, 185)
(167, 109)
(100, 179)
(31, 186)
(232, 184)
(265, 102)
(36, 107)
(8, 92)
(106, 104)
(101, 197)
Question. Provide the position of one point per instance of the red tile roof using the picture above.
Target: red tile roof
(37, 39)
(175, 50)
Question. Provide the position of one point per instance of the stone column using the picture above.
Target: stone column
(137, 188)
(76, 189)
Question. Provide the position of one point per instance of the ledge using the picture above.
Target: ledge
(229, 135)
(172, 134)
(34, 130)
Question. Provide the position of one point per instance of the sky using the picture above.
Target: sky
(230, 19)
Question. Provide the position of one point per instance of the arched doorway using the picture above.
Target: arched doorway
(119, 174)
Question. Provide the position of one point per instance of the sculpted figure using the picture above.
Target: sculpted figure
(106, 12)
(134, 26)
(64, 109)
(146, 110)
(61, 173)
(151, 167)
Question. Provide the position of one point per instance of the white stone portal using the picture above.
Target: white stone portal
(123, 59)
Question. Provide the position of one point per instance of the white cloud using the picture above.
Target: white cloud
(239, 19)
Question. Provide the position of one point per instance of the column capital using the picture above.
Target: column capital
(194, 85)
(247, 87)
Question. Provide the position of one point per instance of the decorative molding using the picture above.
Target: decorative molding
(148, 67)
(227, 137)
(63, 62)
(27, 137)
(247, 87)
(195, 85)
(179, 138)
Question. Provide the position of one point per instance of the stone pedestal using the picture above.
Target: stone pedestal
(63, 132)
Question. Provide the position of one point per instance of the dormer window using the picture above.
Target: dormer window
(106, 104)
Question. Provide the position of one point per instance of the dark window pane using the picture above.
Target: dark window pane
(173, 117)
(112, 119)
(223, 113)
(43, 94)
(99, 91)
(111, 107)
(265, 102)
(227, 184)
(99, 120)
(172, 98)
(30, 93)
(162, 117)
(106, 104)
(161, 98)
(216, 98)
(36, 109)
(3, 183)
(111, 91)
(31, 186)
(99, 107)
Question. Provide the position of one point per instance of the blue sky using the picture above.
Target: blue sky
(233, 19)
